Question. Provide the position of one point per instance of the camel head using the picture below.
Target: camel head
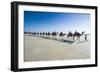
(83, 32)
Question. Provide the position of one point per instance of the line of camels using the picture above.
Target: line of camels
(70, 34)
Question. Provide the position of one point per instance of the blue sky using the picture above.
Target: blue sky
(36, 21)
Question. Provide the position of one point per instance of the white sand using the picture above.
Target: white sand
(41, 49)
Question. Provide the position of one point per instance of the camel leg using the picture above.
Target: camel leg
(73, 37)
(79, 38)
(67, 36)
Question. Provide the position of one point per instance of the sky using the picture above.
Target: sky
(37, 21)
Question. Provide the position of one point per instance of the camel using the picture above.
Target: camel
(49, 33)
(76, 34)
(61, 34)
(54, 33)
(70, 34)
(41, 33)
(34, 33)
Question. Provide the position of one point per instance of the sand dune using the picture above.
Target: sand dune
(55, 48)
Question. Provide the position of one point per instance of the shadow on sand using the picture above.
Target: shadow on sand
(80, 42)
(63, 40)
(67, 41)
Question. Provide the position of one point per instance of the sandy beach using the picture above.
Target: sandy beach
(44, 48)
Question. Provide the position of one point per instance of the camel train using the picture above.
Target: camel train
(74, 35)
